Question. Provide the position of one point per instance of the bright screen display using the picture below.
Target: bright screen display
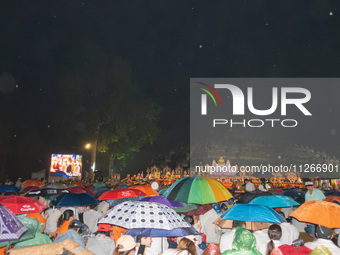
(66, 165)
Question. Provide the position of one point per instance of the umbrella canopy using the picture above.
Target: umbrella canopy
(8, 188)
(19, 204)
(248, 196)
(248, 224)
(162, 200)
(334, 199)
(80, 190)
(162, 191)
(319, 212)
(197, 190)
(161, 232)
(121, 193)
(32, 183)
(99, 184)
(146, 189)
(46, 192)
(11, 227)
(295, 194)
(99, 191)
(114, 202)
(274, 201)
(57, 185)
(253, 213)
(187, 207)
(75, 199)
(201, 209)
(29, 188)
(133, 215)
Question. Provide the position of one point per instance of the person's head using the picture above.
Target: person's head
(324, 232)
(309, 186)
(67, 215)
(274, 233)
(246, 180)
(189, 244)
(104, 229)
(125, 246)
(79, 227)
(238, 223)
(189, 219)
(224, 208)
(146, 240)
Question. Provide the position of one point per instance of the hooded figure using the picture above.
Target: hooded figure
(244, 243)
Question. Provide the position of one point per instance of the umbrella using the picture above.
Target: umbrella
(32, 183)
(29, 188)
(319, 212)
(250, 225)
(146, 189)
(19, 204)
(114, 202)
(99, 184)
(248, 196)
(162, 200)
(74, 199)
(57, 185)
(79, 183)
(201, 209)
(133, 215)
(162, 191)
(334, 199)
(47, 192)
(161, 232)
(197, 190)
(187, 207)
(295, 194)
(11, 227)
(8, 188)
(253, 213)
(121, 193)
(80, 190)
(99, 191)
(274, 201)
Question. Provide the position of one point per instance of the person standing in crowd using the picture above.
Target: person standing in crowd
(125, 246)
(90, 218)
(263, 186)
(209, 228)
(143, 241)
(274, 233)
(249, 186)
(312, 194)
(51, 221)
(18, 183)
(101, 243)
(186, 246)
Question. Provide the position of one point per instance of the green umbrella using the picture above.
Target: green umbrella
(187, 208)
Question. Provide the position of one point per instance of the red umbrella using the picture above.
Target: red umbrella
(29, 188)
(202, 209)
(121, 193)
(19, 204)
(80, 190)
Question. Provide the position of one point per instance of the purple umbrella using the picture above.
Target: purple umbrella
(11, 227)
(162, 200)
(29, 188)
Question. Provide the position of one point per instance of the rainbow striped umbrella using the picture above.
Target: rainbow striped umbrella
(197, 190)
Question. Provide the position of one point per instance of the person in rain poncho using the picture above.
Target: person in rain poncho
(76, 231)
(244, 243)
(39, 237)
(101, 243)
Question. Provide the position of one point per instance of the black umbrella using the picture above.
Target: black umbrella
(248, 196)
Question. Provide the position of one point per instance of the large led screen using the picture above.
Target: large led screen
(66, 165)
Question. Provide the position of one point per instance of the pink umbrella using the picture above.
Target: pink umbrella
(80, 190)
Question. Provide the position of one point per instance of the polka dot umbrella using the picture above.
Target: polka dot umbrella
(133, 215)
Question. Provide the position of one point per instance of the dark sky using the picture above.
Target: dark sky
(167, 42)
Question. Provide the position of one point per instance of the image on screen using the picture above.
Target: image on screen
(66, 165)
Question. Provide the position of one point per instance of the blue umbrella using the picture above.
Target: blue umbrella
(162, 200)
(294, 193)
(99, 191)
(252, 213)
(8, 188)
(74, 199)
(274, 201)
(162, 232)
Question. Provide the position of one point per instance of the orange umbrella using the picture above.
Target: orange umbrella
(32, 183)
(319, 212)
(79, 184)
(146, 189)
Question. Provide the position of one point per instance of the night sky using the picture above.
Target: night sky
(166, 43)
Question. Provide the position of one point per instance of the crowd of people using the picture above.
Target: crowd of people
(81, 224)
